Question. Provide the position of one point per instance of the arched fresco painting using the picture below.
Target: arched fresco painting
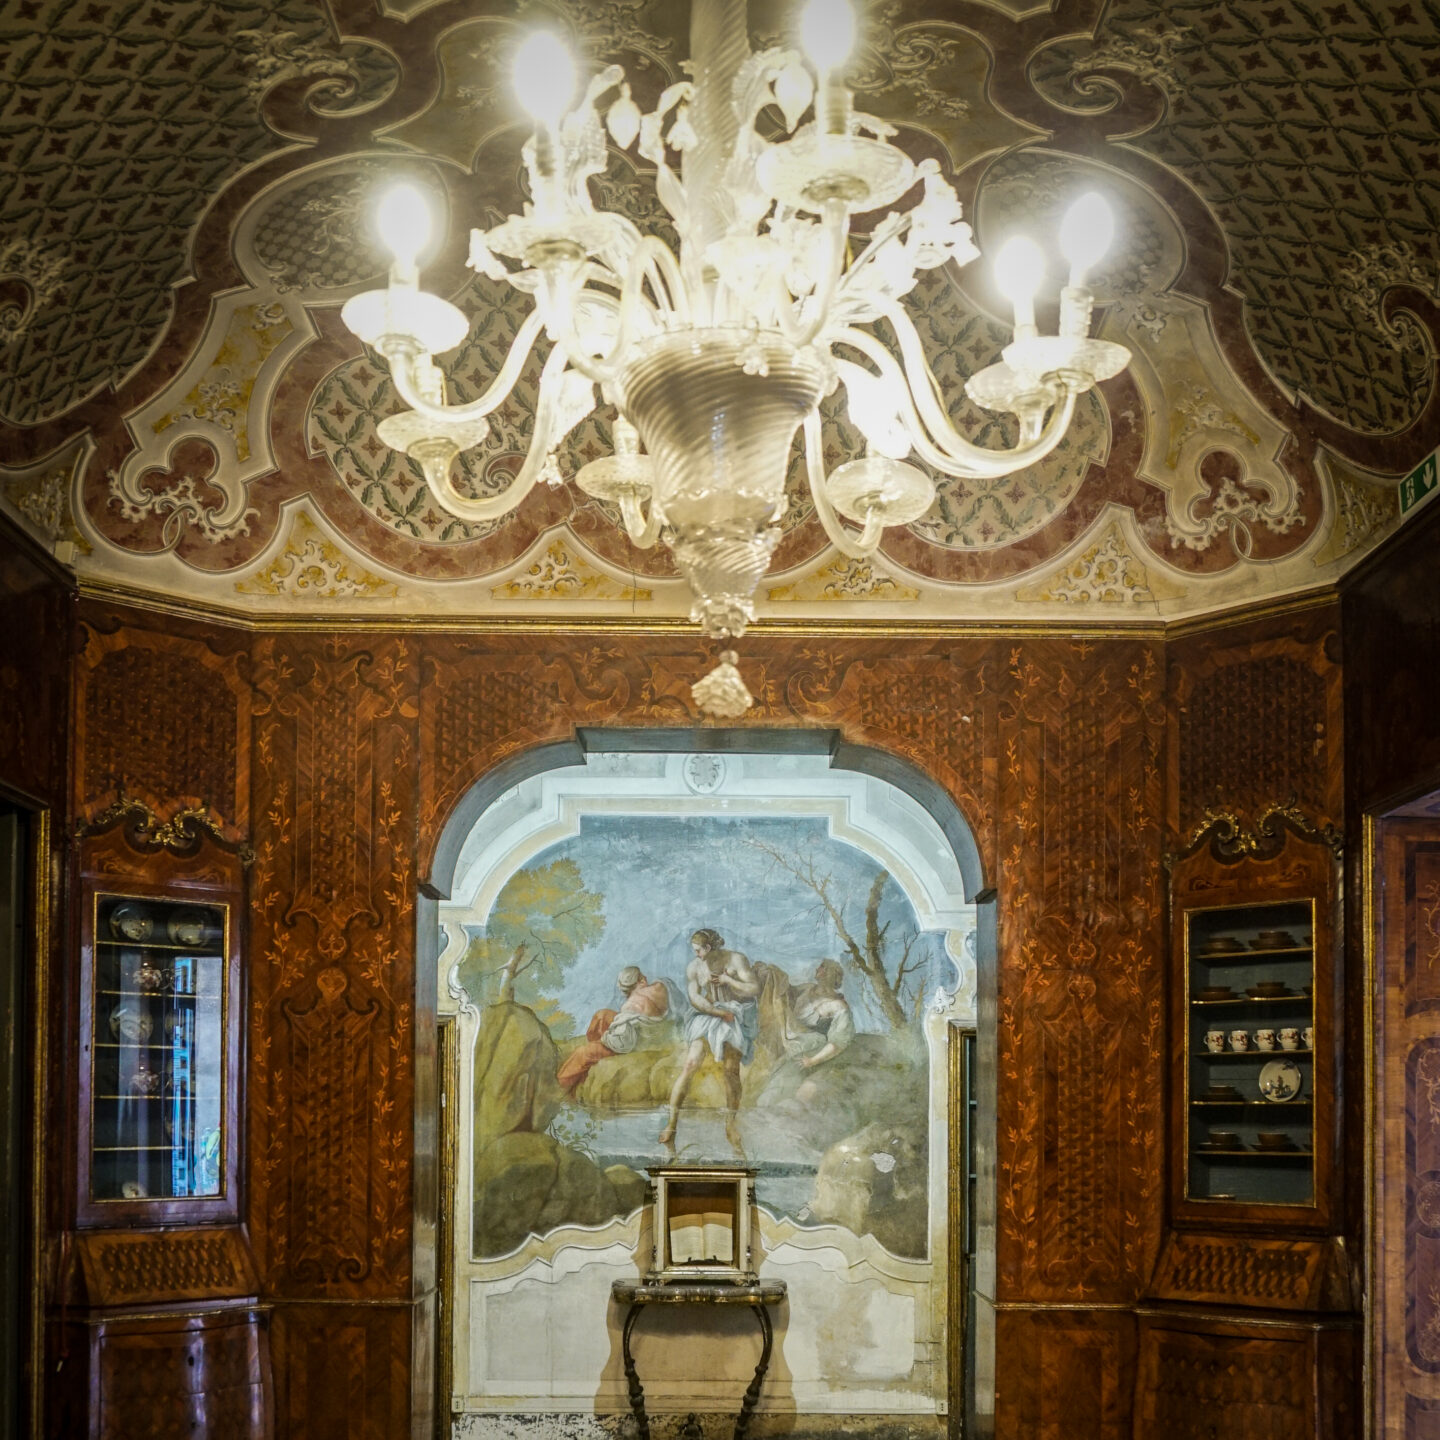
(703, 956)
(707, 987)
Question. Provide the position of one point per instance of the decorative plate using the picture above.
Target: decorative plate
(134, 1190)
(187, 927)
(129, 1025)
(130, 922)
(1280, 1080)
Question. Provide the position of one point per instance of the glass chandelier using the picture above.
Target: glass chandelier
(714, 356)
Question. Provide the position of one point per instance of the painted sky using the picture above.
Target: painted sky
(664, 877)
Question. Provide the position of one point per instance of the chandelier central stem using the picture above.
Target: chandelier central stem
(719, 46)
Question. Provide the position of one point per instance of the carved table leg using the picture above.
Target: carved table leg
(632, 1376)
(752, 1394)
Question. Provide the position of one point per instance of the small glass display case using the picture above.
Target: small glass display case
(1250, 1046)
(702, 1222)
(158, 1022)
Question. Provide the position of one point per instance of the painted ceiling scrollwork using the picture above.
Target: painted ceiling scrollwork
(181, 408)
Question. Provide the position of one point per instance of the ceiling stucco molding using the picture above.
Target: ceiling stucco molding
(216, 391)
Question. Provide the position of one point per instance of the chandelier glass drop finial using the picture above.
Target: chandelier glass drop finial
(716, 352)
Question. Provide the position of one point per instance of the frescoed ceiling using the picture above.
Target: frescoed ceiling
(186, 189)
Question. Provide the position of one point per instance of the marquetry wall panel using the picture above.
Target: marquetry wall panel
(361, 745)
(1065, 1374)
(1244, 1381)
(1257, 719)
(162, 717)
(36, 623)
(1406, 1306)
(333, 965)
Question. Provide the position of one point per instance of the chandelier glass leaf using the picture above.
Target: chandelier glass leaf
(715, 353)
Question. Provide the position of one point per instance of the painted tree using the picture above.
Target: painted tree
(542, 921)
(893, 966)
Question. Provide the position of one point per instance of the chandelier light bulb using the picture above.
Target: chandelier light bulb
(827, 31)
(1086, 234)
(1019, 269)
(403, 221)
(544, 77)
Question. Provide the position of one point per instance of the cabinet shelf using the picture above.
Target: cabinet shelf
(1215, 948)
(1200, 1153)
(1273, 1106)
(210, 950)
(1296, 1001)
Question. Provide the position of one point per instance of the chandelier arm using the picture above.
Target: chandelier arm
(651, 260)
(494, 507)
(948, 451)
(402, 371)
(854, 547)
(643, 533)
(991, 464)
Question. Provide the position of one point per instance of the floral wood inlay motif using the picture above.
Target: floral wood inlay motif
(1422, 1168)
(331, 1050)
(190, 1263)
(1253, 732)
(1081, 1058)
(843, 579)
(1079, 804)
(1422, 924)
(314, 567)
(560, 574)
(161, 723)
(332, 934)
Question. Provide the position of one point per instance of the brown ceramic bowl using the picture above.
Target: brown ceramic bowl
(1273, 1140)
(1220, 945)
(1267, 988)
(1275, 940)
(1215, 992)
(1223, 1140)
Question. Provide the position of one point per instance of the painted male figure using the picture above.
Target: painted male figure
(722, 988)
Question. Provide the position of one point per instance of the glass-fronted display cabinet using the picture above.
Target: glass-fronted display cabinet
(157, 1067)
(158, 1104)
(1256, 1050)
(1250, 1042)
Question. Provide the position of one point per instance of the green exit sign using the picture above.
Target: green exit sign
(1420, 484)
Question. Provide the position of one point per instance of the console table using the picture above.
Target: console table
(759, 1295)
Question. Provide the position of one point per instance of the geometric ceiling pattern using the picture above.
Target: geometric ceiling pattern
(186, 191)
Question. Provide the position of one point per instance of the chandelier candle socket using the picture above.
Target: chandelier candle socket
(716, 354)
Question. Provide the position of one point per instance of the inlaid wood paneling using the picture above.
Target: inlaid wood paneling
(1244, 1382)
(148, 1267)
(1079, 817)
(1406, 1304)
(1257, 719)
(333, 967)
(163, 718)
(342, 1372)
(36, 624)
(1065, 1375)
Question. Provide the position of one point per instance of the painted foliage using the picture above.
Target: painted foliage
(702, 987)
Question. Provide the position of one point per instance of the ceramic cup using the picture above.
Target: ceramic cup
(1214, 1041)
(1264, 1039)
(1239, 1040)
(1290, 1038)
(1307, 1038)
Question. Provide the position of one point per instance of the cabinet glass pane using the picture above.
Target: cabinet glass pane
(158, 1049)
(1250, 1048)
